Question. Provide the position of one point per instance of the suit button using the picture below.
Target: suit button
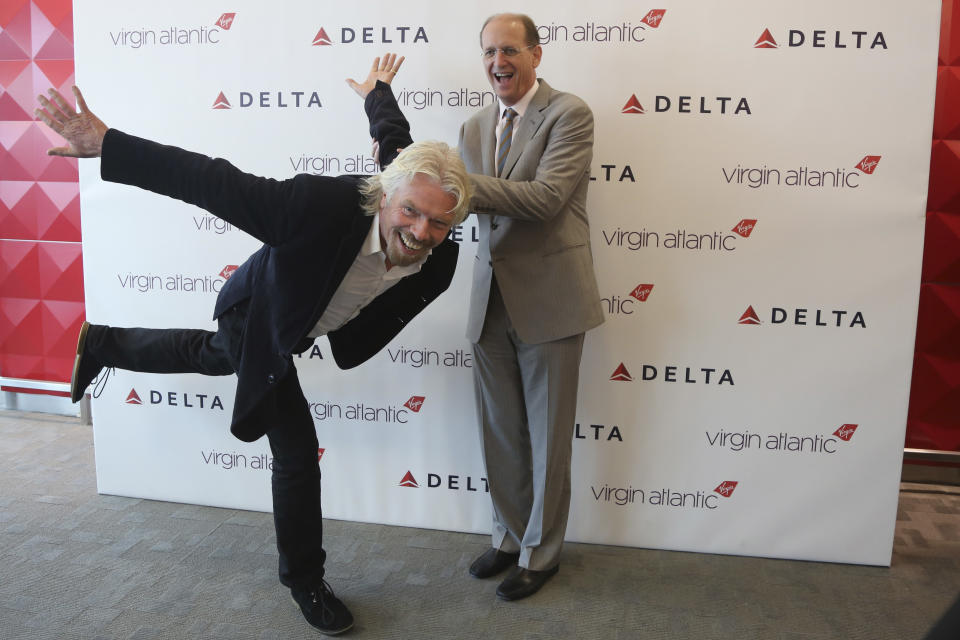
(271, 378)
(494, 225)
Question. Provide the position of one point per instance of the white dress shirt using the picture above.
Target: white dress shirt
(367, 278)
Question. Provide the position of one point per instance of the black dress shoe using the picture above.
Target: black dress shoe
(524, 582)
(85, 366)
(492, 562)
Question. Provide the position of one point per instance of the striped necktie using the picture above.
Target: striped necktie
(505, 137)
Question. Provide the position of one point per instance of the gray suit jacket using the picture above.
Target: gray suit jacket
(533, 227)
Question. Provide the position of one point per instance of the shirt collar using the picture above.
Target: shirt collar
(523, 103)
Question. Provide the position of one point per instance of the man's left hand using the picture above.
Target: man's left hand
(383, 70)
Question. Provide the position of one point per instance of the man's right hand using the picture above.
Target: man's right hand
(82, 130)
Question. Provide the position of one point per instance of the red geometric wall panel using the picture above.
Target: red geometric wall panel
(41, 270)
(933, 421)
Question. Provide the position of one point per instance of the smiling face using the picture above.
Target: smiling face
(414, 220)
(510, 77)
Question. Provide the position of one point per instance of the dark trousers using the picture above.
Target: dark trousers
(293, 438)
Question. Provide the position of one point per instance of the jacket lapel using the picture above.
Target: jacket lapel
(529, 125)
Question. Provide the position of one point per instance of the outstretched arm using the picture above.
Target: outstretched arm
(82, 130)
(388, 127)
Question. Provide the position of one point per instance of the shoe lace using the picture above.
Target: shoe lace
(100, 382)
(318, 597)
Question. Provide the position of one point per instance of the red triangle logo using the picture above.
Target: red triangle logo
(133, 397)
(621, 374)
(221, 102)
(322, 39)
(409, 481)
(766, 41)
(320, 451)
(749, 317)
(633, 106)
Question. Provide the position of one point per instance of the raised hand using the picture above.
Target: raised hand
(383, 70)
(82, 130)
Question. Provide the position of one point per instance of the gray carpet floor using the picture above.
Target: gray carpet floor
(74, 564)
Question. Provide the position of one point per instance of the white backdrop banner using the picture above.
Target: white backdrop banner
(757, 208)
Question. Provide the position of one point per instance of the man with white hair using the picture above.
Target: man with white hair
(353, 259)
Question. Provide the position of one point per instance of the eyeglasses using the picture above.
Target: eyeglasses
(509, 52)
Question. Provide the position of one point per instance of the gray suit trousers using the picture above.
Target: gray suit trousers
(526, 399)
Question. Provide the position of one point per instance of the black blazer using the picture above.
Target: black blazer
(312, 228)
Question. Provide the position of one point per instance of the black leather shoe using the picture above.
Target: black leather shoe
(85, 366)
(323, 610)
(492, 562)
(524, 582)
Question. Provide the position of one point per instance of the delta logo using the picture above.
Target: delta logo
(409, 481)
(749, 317)
(621, 374)
(821, 39)
(373, 35)
(182, 400)
(676, 373)
(801, 316)
(744, 228)
(320, 452)
(270, 100)
(691, 104)
(452, 482)
(633, 106)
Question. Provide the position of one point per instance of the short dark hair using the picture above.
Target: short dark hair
(529, 28)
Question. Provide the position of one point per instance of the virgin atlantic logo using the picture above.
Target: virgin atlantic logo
(869, 164)
(654, 17)
(845, 432)
(226, 21)
(228, 271)
(726, 488)
(409, 481)
(744, 228)
(642, 292)
(415, 403)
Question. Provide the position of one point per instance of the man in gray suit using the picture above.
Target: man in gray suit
(534, 295)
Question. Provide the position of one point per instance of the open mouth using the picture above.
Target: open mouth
(502, 77)
(410, 243)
